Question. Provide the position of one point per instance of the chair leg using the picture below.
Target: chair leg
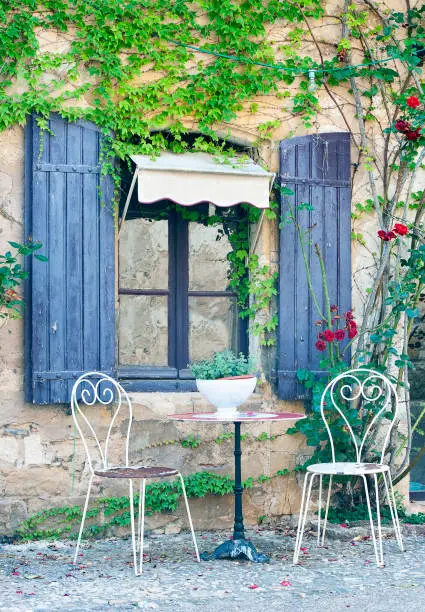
(319, 509)
(371, 520)
(325, 521)
(141, 530)
(393, 509)
(133, 535)
(139, 514)
(378, 518)
(300, 517)
(303, 517)
(189, 518)
(86, 503)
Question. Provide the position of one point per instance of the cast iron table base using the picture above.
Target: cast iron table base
(238, 547)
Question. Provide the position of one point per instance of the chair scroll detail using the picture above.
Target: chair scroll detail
(96, 388)
(374, 397)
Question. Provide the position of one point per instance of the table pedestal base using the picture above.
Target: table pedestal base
(236, 549)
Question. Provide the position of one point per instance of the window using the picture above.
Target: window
(174, 302)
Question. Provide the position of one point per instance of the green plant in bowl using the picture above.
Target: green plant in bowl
(223, 365)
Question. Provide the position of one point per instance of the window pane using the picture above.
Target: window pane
(212, 326)
(208, 265)
(143, 330)
(143, 253)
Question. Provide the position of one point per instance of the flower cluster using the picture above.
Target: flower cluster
(329, 335)
(398, 229)
(404, 127)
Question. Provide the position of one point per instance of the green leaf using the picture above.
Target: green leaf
(412, 312)
(286, 191)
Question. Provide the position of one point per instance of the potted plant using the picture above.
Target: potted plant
(226, 380)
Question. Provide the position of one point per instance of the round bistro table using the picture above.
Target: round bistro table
(238, 547)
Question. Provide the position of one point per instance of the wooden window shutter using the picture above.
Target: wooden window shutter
(317, 169)
(70, 326)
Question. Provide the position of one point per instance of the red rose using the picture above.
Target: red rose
(413, 102)
(402, 126)
(413, 134)
(400, 229)
(349, 315)
(340, 334)
(328, 335)
(320, 345)
(334, 308)
(352, 332)
(386, 236)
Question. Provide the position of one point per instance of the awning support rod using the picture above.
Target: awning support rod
(260, 223)
(127, 202)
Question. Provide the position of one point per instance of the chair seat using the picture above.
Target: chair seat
(347, 468)
(136, 471)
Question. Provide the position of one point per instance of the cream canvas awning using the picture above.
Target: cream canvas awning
(190, 178)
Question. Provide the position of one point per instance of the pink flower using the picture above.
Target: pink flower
(413, 134)
(413, 101)
(400, 229)
(386, 236)
(402, 126)
(328, 335)
(253, 586)
(320, 345)
(285, 583)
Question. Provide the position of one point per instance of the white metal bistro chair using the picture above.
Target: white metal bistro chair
(375, 396)
(97, 388)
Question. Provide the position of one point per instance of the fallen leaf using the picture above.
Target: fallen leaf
(32, 576)
(344, 525)
(285, 583)
(253, 586)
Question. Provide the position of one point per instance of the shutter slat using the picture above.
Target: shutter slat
(107, 289)
(57, 279)
(91, 273)
(40, 285)
(68, 300)
(317, 169)
(74, 270)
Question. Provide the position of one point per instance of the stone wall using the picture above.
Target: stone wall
(36, 443)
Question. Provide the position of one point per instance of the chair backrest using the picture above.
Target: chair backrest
(372, 396)
(97, 388)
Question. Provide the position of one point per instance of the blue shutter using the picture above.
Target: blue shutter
(70, 325)
(317, 169)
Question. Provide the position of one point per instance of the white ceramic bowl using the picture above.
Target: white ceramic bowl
(226, 394)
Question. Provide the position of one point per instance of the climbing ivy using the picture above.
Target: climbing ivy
(160, 496)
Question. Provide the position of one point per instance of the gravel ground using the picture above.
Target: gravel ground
(341, 576)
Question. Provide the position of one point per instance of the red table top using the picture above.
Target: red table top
(240, 417)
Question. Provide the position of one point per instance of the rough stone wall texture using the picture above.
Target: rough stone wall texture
(36, 443)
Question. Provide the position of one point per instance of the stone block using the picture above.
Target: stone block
(10, 450)
(12, 513)
(33, 450)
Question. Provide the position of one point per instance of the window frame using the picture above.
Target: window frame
(176, 376)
